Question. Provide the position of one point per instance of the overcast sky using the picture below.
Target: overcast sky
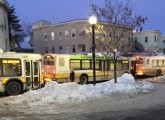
(63, 10)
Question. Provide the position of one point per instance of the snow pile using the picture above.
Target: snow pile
(73, 92)
(25, 43)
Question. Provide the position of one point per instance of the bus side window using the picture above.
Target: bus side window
(154, 63)
(75, 64)
(148, 61)
(97, 65)
(85, 64)
(160, 63)
(125, 65)
(61, 62)
(100, 65)
(119, 65)
(111, 65)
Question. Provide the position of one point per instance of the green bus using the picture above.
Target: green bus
(57, 67)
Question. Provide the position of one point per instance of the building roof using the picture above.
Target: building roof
(66, 22)
(147, 32)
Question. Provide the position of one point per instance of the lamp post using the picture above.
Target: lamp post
(93, 21)
(115, 79)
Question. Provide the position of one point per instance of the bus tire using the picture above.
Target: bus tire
(83, 79)
(13, 88)
(158, 73)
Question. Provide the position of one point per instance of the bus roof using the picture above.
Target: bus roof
(20, 55)
(85, 57)
(89, 57)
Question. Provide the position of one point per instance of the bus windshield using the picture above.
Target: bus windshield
(11, 67)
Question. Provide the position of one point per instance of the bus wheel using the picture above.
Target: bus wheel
(13, 88)
(83, 79)
(159, 73)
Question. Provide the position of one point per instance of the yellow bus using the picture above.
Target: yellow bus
(19, 72)
(148, 65)
(57, 67)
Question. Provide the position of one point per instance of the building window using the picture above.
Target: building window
(146, 39)
(82, 33)
(83, 48)
(59, 35)
(60, 47)
(67, 49)
(73, 33)
(155, 39)
(163, 41)
(52, 49)
(66, 34)
(104, 48)
(46, 49)
(73, 48)
(52, 35)
(45, 36)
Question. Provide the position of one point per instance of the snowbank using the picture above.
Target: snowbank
(73, 92)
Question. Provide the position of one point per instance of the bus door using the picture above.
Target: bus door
(36, 74)
(133, 66)
(32, 74)
(28, 74)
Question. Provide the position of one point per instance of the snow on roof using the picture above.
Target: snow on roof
(73, 92)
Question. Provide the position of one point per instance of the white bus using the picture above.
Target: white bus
(19, 72)
(57, 67)
(148, 65)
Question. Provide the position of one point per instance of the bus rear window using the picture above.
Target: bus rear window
(61, 62)
(48, 62)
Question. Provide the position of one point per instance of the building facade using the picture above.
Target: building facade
(68, 37)
(4, 32)
(149, 41)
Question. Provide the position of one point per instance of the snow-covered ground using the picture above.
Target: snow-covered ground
(73, 92)
(73, 101)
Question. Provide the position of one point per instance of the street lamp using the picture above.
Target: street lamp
(93, 22)
(115, 79)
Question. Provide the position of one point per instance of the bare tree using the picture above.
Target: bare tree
(27, 28)
(27, 31)
(115, 33)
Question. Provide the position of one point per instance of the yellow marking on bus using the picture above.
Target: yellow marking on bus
(5, 80)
